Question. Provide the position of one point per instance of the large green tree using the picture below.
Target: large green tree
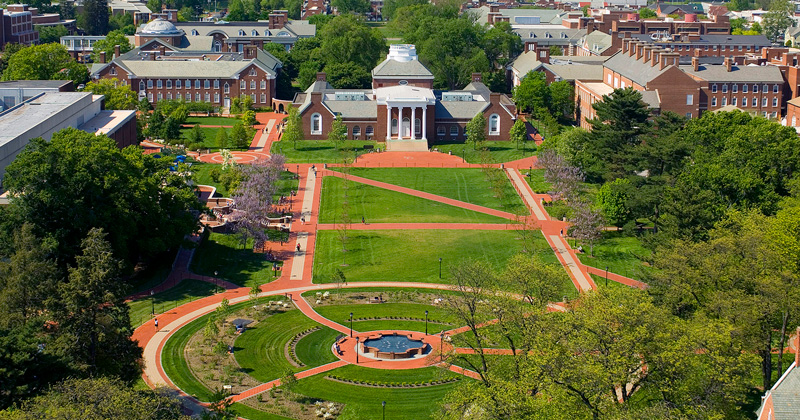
(79, 181)
(532, 95)
(348, 39)
(117, 95)
(778, 19)
(45, 62)
(50, 34)
(351, 6)
(93, 332)
(94, 19)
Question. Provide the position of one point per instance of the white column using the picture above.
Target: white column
(400, 123)
(388, 122)
(424, 122)
(413, 126)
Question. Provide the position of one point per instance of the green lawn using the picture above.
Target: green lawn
(500, 151)
(209, 137)
(378, 205)
(536, 180)
(621, 254)
(202, 176)
(225, 121)
(251, 413)
(259, 351)
(468, 185)
(186, 291)
(319, 151)
(439, 318)
(225, 254)
(173, 360)
(413, 255)
(363, 402)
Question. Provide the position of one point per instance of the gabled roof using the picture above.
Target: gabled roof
(744, 74)
(633, 69)
(785, 396)
(292, 30)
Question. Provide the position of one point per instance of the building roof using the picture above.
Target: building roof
(159, 26)
(545, 35)
(786, 395)
(24, 84)
(744, 74)
(794, 102)
(651, 98)
(633, 69)
(755, 40)
(597, 42)
(258, 29)
(459, 110)
(408, 69)
(526, 62)
(353, 109)
(107, 121)
(23, 117)
(521, 16)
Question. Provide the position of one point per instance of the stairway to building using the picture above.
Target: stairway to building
(407, 145)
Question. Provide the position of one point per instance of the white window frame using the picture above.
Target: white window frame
(316, 123)
(494, 125)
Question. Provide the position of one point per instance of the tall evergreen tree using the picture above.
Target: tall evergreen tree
(95, 17)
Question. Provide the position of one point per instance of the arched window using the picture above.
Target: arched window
(141, 84)
(417, 125)
(394, 125)
(369, 131)
(356, 131)
(194, 32)
(453, 131)
(316, 124)
(254, 32)
(494, 125)
(406, 127)
(217, 46)
(266, 32)
(440, 131)
(227, 88)
(241, 32)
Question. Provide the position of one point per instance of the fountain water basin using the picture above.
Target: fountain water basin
(393, 346)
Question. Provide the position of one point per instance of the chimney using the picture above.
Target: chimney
(116, 51)
(625, 45)
(728, 64)
(543, 55)
(322, 77)
(639, 51)
(250, 52)
(797, 348)
(696, 63)
(477, 77)
(102, 57)
(530, 46)
(656, 55)
(494, 8)
(647, 54)
(632, 47)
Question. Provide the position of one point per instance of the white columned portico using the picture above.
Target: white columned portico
(424, 122)
(413, 123)
(400, 123)
(388, 122)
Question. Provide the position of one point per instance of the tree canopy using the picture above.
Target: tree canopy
(45, 62)
(117, 95)
(117, 37)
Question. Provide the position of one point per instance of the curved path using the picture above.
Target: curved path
(296, 276)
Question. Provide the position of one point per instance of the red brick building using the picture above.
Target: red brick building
(402, 109)
(158, 70)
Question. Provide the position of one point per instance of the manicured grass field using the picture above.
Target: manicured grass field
(186, 291)
(235, 263)
(500, 151)
(621, 254)
(209, 137)
(468, 185)
(251, 413)
(226, 121)
(536, 180)
(173, 360)
(260, 349)
(365, 402)
(319, 151)
(378, 205)
(436, 316)
(413, 255)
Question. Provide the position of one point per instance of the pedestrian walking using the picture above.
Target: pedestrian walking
(298, 247)
(155, 321)
(302, 220)
(364, 221)
(562, 232)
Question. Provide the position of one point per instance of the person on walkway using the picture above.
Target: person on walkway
(155, 321)
(298, 247)
(562, 232)
(302, 220)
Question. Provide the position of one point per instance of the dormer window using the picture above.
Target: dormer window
(254, 32)
(194, 32)
(266, 32)
(241, 32)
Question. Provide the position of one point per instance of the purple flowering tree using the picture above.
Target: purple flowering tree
(587, 224)
(564, 177)
(254, 196)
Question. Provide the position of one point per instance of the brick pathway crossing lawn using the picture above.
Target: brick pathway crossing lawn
(226, 121)
(439, 319)
(319, 151)
(465, 184)
(186, 291)
(500, 151)
(622, 254)
(378, 205)
(536, 180)
(260, 350)
(363, 402)
(413, 255)
(235, 263)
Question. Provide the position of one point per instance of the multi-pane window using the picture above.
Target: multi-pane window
(253, 84)
(227, 88)
(149, 84)
(159, 84)
(713, 88)
(263, 98)
(744, 88)
(197, 84)
(216, 83)
(735, 88)
(207, 84)
(197, 97)
(764, 102)
(744, 101)
(169, 84)
(724, 88)
(713, 101)
(207, 97)
(774, 102)
(775, 89)
(242, 84)
(755, 102)
(178, 84)
(216, 97)
(263, 84)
